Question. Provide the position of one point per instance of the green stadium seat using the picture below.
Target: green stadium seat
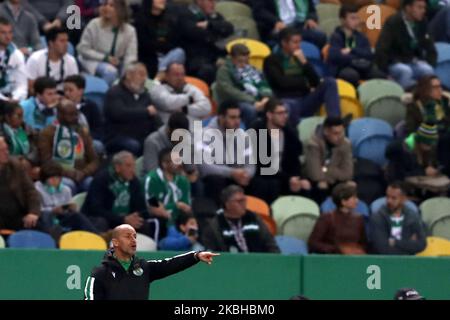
(2, 242)
(79, 199)
(434, 208)
(231, 9)
(286, 206)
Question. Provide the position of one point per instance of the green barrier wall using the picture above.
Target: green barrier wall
(60, 274)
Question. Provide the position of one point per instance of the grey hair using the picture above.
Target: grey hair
(119, 158)
(228, 192)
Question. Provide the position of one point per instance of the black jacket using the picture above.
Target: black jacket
(94, 118)
(265, 15)
(380, 232)
(100, 199)
(292, 150)
(110, 281)
(156, 34)
(394, 43)
(287, 85)
(198, 42)
(127, 116)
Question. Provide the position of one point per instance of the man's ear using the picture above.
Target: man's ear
(115, 242)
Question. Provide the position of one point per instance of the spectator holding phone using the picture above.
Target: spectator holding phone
(183, 235)
(59, 213)
(167, 190)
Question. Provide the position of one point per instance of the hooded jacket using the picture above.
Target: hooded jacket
(111, 281)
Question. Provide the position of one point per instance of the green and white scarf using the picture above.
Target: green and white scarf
(120, 189)
(20, 144)
(396, 227)
(64, 143)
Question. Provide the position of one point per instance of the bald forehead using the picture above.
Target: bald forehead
(122, 229)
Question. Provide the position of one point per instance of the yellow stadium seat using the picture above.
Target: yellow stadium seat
(348, 99)
(436, 247)
(258, 51)
(82, 240)
(346, 89)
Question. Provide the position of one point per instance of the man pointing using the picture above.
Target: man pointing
(123, 276)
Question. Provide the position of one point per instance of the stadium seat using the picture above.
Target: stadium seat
(6, 232)
(200, 84)
(95, 90)
(443, 63)
(440, 227)
(243, 28)
(290, 245)
(373, 89)
(270, 224)
(436, 246)
(328, 205)
(370, 138)
(434, 208)
(299, 225)
(82, 240)
(31, 239)
(348, 100)
(310, 50)
(230, 9)
(258, 51)
(377, 204)
(258, 206)
(373, 34)
(287, 206)
(326, 11)
(325, 52)
(329, 25)
(307, 127)
(345, 89)
(2, 242)
(145, 243)
(139, 167)
(79, 199)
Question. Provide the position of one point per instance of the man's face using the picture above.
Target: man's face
(175, 76)
(6, 34)
(236, 205)
(159, 4)
(136, 78)
(334, 134)
(72, 92)
(293, 43)
(4, 152)
(126, 170)
(395, 198)
(240, 61)
(278, 117)
(190, 224)
(351, 21)
(60, 44)
(15, 120)
(436, 89)
(125, 242)
(49, 97)
(350, 203)
(232, 119)
(170, 166)
(207, 6)
(417, 10)
(69, 114)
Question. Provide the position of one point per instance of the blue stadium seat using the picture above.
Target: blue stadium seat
(370, 138)
(31, 239)
(443, 63)
(377, 204)
(310, 50)
(328, 205)
(290, 245)
(95, 90)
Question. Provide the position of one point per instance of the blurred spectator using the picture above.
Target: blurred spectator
(40, 111)
(328, 158)
(202, 32)
(431, 104)
(235, 229)
(404, 48)
(342, 230)
(48, 13)
(13, 74)
(395, 229)
(74, 87)
(288, 178)
(175, 94)
(274, 16)
(294, 80)
(350, 55)
(167, 190)
(183, 235)
(129, 112)
(108, 44)
(158, 37)
(53, 62)
(439, 26)
(235, 166)
(238, 80)
(70, 145)
(89, 10)
(25, 28)
(56, 202)
(115, 197)
(21, 210)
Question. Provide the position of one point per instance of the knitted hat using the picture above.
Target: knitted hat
(427, 133)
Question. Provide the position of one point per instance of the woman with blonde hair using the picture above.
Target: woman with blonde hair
(108, 43)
